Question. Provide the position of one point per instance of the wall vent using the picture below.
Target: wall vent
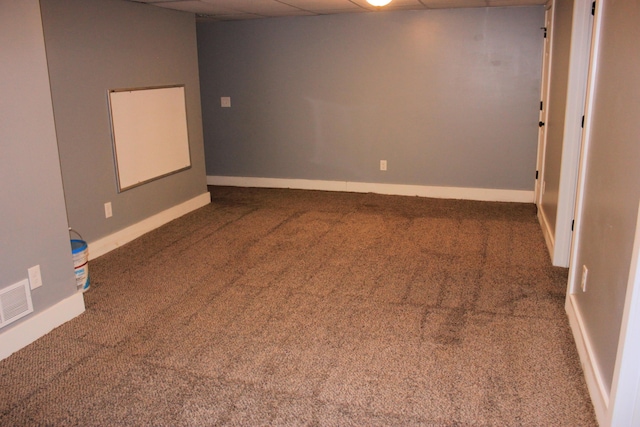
(15, 302)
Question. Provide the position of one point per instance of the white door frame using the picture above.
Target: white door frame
(597, 390)
(544, 99)
(574, 271)
(581, 41)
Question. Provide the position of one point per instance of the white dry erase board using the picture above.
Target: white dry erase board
(149, 130)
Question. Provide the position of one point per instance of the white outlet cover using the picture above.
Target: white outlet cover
(108, 211)
(225, 101)
(35, 277)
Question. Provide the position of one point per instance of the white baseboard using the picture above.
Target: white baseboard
(597, 390)
(44, 322)
(546, 231)
(480, 194)
(40, 324)
(126, 235)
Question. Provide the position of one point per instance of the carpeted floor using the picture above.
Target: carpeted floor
(284, 307)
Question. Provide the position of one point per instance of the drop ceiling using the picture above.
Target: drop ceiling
(230, 10)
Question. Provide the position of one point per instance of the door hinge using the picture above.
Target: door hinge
(536, 174)
(541, 105)
(545, 32)
(593, 8)
(573, 222)
(582, 125)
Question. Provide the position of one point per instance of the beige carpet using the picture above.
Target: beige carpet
(283, 307)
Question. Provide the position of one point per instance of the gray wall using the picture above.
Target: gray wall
(448, 97)
(559, 78)
(612, 188)
(97, 45)
(33, 228)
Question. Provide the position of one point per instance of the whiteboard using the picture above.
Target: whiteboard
(149, 130)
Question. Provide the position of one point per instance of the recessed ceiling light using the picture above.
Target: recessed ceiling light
(379, 2)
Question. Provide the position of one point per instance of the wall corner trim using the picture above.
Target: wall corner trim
(593, 377)
(126, 235)
(40, 324)
(479, 194)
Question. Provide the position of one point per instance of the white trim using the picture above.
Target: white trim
(545, 90)
(572, 137)
(40, 324)
(546, 231)
(573, 283)
(480, 194)
(298, 184)
(126, 235)
(597, 390)
(599, 395)
(626, 375)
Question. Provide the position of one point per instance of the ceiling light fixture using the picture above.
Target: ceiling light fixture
(378, 3)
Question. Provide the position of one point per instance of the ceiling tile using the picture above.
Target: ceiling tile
(323, 6)
(266, 7)
(445, 4)
(196, 7)
(152, 1)
(251, 9)
(395, 4)
(516, 2)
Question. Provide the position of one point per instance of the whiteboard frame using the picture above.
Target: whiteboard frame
(119, 156)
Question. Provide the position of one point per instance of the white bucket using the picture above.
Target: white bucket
(80, 252)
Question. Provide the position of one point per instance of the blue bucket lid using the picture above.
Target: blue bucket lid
(78, 246)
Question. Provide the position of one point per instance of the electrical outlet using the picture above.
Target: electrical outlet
(35, 278)
(225, 101)
(108, 212)
(383, 165)
(583, 284)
